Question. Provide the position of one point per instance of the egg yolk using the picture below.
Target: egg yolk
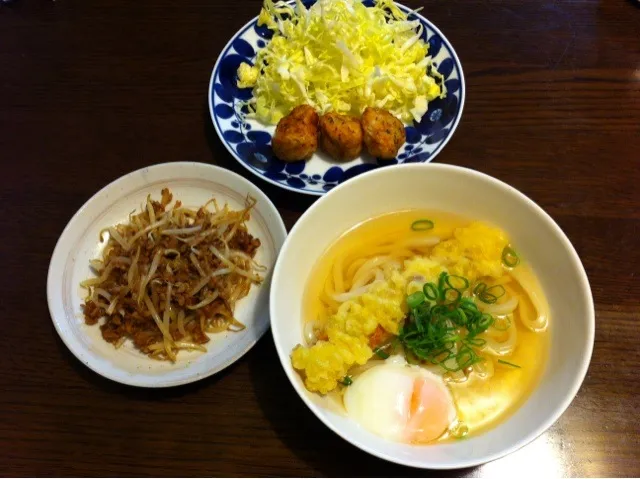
(429, 412)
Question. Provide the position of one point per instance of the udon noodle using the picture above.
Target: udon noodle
(448, 295)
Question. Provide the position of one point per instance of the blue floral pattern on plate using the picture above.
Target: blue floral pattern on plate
(250, 141)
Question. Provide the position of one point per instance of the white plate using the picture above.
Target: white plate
(193, 184)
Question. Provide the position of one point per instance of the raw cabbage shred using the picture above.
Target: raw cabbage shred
(340, 56)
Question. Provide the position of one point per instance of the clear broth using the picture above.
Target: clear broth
(480, 404)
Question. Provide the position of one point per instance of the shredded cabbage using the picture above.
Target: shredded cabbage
(340, 56)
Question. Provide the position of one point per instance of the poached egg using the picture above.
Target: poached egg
(401, 402)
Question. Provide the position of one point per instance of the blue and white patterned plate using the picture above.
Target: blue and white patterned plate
(250, 141)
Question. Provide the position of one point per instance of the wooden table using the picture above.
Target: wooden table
(92, 90)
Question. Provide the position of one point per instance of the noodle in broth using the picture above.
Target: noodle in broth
(510, 353)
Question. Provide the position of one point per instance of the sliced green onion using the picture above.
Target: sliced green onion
(412, 358)
(488, 298)
(381, 353)
(488, 295)
(346, 381)
(502, 361)
(486, 320)
(466, 357)
(422, 225)
(443, 326)
(430, 291)
(459, 317)
(416, 299)
(497, 290)
(477, 342)
(442, 281)
(395, 345)
(462, 283)
(452, 295)
(421, 319)
(509, 257)
(479, 288)
(468, 305)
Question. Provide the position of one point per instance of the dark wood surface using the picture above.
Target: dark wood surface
(92, 90)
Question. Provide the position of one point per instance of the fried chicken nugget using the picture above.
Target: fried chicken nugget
(296, 136)
(340, 136)
(383, 133)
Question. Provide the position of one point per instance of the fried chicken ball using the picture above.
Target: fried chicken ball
(340, 136)
(296, 136)
(383, 133)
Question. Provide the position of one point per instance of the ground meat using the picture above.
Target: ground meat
(92, 312)
(243, 241)
(131, 317)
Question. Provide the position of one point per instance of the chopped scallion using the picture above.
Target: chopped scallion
(346, 381)
(452, 295)
(509, 257)
(488, 295)
(502, 361)
(422, 225)
(430, 291)
(479, 288)
(457, 282)
(381, 353)
(416, 299)
(443, 326)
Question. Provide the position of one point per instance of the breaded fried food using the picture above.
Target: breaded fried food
(383, 133)
(340, 136)
(296, 136)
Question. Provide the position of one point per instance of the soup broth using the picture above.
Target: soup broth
(505, 360)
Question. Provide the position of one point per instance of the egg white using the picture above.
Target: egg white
(380, 398)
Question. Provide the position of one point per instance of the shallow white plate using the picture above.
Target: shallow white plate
(193, 184)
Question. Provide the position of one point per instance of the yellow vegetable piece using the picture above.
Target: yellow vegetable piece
(348, 331)
(247, 75)
(473, 252)
(425, 269)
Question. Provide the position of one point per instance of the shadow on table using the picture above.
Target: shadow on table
(306, 436)
(282, 198)
(295, 425)
(137, 393)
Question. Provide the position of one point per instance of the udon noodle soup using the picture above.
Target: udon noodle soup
(423, 327)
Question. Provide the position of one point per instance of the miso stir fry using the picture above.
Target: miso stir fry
(171, 275)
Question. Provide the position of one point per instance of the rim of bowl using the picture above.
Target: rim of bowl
(436, 152)
(73, 347)
(587, 298)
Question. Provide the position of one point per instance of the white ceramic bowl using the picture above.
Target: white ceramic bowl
(477, 196)
(194, 184)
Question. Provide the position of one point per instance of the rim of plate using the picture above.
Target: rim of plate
(572, 391)
(437, 151)
(60, 257)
